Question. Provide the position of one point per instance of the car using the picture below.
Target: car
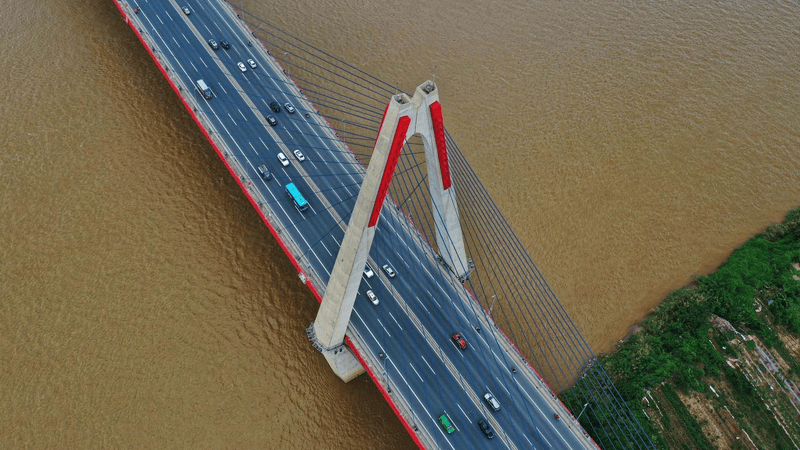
(389, 271)
(274, 106)
(299, 155)
(213, 44)
(492, 402)
(242, 67)
(444, 421)
(264, 172)
(368, 272)
(186, 10)
(460, 341)
(283, 159)
(486, 428)
(272, 121)
(289, 108)
(252, 63)
(372, 297)
(224, 44)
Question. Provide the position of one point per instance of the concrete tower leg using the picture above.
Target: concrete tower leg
(340, 294)
(429, 125)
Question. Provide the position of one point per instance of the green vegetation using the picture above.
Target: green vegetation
(678, 349)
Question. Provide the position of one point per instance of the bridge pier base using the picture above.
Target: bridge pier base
(341, 359)
(343, 363)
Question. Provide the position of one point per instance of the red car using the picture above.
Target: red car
(460, 342)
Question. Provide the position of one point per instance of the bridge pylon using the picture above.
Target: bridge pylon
(403, 118)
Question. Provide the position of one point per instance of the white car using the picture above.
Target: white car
(299, 155)
(289, 108)
(242, 67)
(283, 159)
(372, 297)
(492, 402)
(389, 271)
(252, 63)
(368, 272)
(186, 10)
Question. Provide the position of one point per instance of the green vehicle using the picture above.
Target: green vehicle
(445, 422)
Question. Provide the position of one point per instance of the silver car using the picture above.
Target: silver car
(372, 297)
(252, 63)
(389, 271)
(299, 155)
(242, 67)
(186, 10)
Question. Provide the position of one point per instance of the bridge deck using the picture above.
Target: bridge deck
(422, 374)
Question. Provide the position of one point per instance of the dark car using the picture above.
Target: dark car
(274, 106)
(264, 172)
(272, 121)
(213, 44)
(460, 342)
(486, 428)
(224, 44)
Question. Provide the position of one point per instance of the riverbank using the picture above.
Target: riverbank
(717, 364)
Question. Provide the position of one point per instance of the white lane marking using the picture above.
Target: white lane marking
(460, 352)
(195, 67)
(229, 115)
(329, 252)
(176, 41)
(204, 62)
(384, 327)
(187, 39)
(462, 412)
(542, 436)
(451, 419)
(254, 149)
(159, 19)
(240, 112)
(426, 363)
(223, 88)
(265, 144)
(502, 386)
(395, 320)
(422, 304)
(403, 259)
(415, 371)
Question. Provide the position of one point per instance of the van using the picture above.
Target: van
(204, 89)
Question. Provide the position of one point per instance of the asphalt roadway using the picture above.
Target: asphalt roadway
(423, 306)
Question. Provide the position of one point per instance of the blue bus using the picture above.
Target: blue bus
(299, 202)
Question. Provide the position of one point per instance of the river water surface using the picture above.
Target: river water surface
(632, 145)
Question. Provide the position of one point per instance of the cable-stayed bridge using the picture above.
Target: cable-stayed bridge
(452, 320)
